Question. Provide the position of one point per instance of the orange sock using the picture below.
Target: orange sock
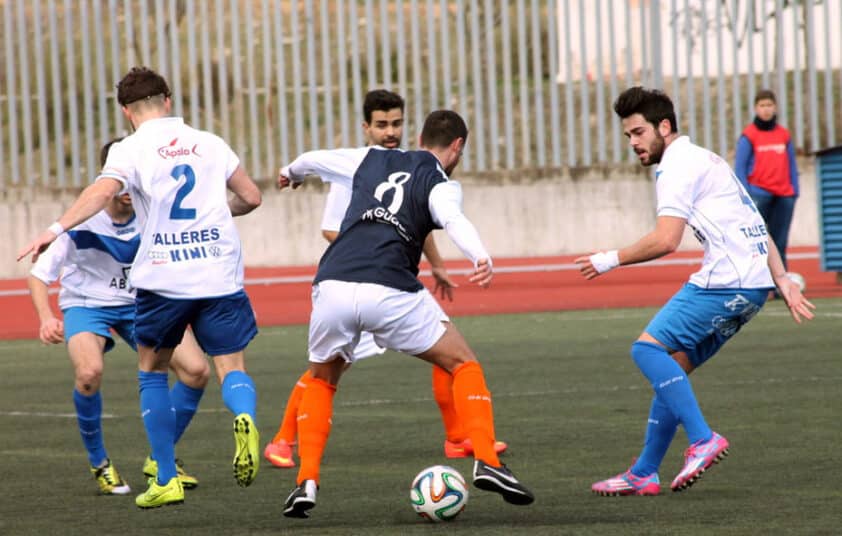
(443, 393)
(314, 420)
(473, 404)
(289, 426)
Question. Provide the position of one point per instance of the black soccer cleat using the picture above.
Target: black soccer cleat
(501, 480)
(302, 498)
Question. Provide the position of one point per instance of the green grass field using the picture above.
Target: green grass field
(567, 397)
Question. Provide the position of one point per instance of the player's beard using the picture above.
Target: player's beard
(656, 150)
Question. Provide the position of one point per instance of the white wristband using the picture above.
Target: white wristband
(605, 260)
(56, 228)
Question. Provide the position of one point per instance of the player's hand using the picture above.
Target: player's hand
(482, 274)
(284, 181)
(51, 331)
(444, 285)
(37, 246)
(798, 305)
(586, 267)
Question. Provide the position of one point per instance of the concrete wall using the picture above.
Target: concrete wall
(537, 215)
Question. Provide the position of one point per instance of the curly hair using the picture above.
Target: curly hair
(654, 105)
(141, 83)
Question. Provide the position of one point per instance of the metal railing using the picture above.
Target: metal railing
(534, 79)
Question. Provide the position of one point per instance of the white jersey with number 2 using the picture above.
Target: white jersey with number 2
(177, 177)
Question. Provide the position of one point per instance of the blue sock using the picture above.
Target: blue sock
(159, 420)
(672, 387)
(659, 433)
(185, 400)
(89, 415)
(239, 394)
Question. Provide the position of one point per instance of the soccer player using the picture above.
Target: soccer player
(741, 264)
(189, 266)
(383, 126)
(93, 262)
(367, 281)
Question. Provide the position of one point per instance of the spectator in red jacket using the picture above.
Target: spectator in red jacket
(765, 164)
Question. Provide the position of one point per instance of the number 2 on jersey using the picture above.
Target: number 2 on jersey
(177, 212)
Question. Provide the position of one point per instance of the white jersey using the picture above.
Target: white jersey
(177, 176)
(336, 204)
(93, 260)
(696, 184)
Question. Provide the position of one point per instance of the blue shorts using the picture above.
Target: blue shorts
(699, 321)
(101, 320)
(222, 325)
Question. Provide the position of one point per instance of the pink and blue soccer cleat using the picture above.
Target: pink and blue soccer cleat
(698, 458)
(628, 484)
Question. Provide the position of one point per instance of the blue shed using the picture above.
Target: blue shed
(829, 174)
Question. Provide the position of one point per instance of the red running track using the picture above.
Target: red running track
(281, 296)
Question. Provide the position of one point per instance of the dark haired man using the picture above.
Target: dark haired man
(179, 177)
(367, 281)
(383, 126)
(695, 188)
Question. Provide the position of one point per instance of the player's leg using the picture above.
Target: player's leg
(414, 323)
(333, 336)
(314, 423)
(159, 327)
(192, 372)
(472, 401)
(88, 338)
(683, 326)
(457, 444)
(224, 327)
(279, 451)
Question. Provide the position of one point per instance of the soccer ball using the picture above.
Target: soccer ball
(439, 493)
(798, 279)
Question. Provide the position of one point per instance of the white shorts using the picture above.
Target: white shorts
(409, 322)
(366, 347)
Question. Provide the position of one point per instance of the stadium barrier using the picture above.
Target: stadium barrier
(542, 214)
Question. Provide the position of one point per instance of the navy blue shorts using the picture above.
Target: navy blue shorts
(101, 320)
(222, 325)
(699, 321)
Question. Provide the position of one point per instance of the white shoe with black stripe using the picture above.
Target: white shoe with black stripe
(302, 498)
(501, 480)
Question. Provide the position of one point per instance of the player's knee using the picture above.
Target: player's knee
(642, 350)
(198, 375)
(88, 378)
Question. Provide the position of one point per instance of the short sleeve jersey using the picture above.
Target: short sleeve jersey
(696, 184)
(177, 176)
(93, 261)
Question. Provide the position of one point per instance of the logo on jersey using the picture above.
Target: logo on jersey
(381, 215)
(172, 151)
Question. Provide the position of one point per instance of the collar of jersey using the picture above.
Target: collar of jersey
(131, 220)
(160, 122)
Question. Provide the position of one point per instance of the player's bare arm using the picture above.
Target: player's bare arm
(92, 199)
(798, 305)
(247, 196)
(444, 285)
(662, 241)
(51, 330)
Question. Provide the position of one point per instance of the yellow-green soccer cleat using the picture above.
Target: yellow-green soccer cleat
(247, 455)
(157, 495)
(150, 470)
(109, 480)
